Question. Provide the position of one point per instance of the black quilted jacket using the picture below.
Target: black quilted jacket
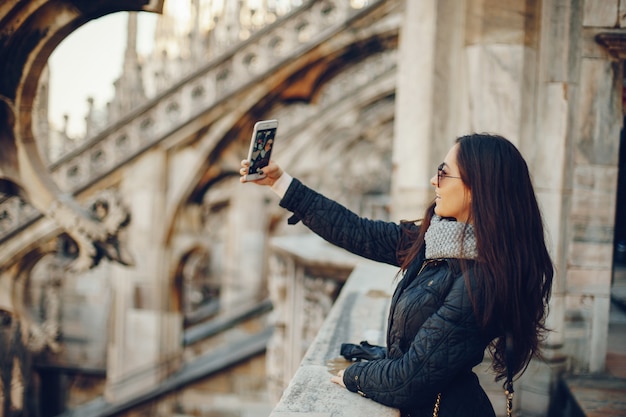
(433, 339)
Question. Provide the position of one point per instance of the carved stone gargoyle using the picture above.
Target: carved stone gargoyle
(29, 32)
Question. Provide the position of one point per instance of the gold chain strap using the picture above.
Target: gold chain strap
(436, 409)
(509, 403)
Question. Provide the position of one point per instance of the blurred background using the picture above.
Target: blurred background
(138, 277)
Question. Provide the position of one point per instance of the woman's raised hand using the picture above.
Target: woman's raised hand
(272, 173)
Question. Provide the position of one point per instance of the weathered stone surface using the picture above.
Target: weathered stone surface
(359, 313)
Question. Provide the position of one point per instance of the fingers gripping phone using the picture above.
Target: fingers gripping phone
(261, 145)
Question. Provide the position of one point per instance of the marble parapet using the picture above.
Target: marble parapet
(360, 313)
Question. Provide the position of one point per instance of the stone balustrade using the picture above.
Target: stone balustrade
(359, 313)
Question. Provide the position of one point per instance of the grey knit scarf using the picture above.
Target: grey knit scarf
(450, 239)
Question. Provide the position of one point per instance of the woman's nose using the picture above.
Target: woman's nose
(433, 180)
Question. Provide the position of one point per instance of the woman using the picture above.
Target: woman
(476, 275)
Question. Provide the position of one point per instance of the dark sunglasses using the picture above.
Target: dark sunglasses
(442, 174)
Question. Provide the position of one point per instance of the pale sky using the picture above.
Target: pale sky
(88, 62)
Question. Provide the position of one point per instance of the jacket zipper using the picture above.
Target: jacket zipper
(426, 262)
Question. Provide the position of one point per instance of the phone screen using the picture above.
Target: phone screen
(262, 149)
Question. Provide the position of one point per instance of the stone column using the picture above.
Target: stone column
(500, 61)
(597, 119)
(412, 164)
(546, 150)
(246, 255)
(144, 337)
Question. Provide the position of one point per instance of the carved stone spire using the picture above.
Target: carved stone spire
(129, 88)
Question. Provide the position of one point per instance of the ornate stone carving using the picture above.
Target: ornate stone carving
(46, 334)
(303, 290)
(200, 286)
(99, 237)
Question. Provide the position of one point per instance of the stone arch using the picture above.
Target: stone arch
(225, 143)
(33, 328)
(361, 135)
(37, 31)
(352, 142)
(30, 32)
(17, 332)
(197, 285)
(223, 139)
(207, 242)
(305, 83)
(41, 301)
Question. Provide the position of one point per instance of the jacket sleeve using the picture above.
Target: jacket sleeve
(448, 343)
(376, 240)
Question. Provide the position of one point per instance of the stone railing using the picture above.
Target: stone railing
(359, 313)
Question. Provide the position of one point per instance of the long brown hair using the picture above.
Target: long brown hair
(514, 271)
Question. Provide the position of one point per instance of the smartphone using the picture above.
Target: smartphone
(261, 145)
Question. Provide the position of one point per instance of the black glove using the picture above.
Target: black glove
(365, 351)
